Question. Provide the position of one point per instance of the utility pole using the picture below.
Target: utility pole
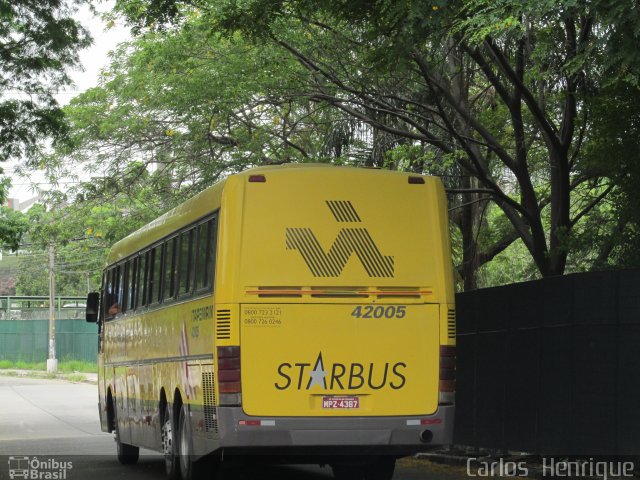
(52, 362)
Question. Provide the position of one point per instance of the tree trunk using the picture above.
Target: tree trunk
(470, 222)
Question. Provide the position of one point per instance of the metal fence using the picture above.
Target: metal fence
(24, 329)
(37, 308)
(551, 366)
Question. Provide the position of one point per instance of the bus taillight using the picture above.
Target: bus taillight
(229, 384)
(447, 388)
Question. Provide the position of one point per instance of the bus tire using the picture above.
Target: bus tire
(185, 447)
(127, 454)
(191, 469)
(169, 447)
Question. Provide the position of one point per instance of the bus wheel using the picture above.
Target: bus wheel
(189, 468)
(380, 469)
(127, 454)
(185, 453)
(168, 446)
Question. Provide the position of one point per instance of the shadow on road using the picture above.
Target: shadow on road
(103, 468)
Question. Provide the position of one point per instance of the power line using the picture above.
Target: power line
(61, 242)
(64, 92)
(46, 183)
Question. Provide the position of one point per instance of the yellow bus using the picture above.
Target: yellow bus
(301, 312)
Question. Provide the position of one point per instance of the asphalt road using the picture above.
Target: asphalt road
(51, 426)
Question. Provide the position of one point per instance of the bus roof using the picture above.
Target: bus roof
(187, 212)
(207, 202)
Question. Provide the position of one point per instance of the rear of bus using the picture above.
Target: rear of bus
(335, 319)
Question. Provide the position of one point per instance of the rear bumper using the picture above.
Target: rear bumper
(334, 436)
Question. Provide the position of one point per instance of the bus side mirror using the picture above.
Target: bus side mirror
(93, 301)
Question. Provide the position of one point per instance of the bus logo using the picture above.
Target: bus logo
(350, 240)
(34, 468)
(340, 376)
(18, 467)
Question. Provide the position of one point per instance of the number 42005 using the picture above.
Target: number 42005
(380, 311)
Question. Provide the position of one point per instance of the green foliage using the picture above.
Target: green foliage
(22, 365)
(13, 226)
(64, 366)
(616, 228)
(70, 366)
(179, 109)
(510, 266)
(510, 77)
(40, 41)
(5, 184)
(512, 103)
(77, 270)
(82, 234)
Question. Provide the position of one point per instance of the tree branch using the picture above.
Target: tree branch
(541, 119)
(591, 205)
(484, 133)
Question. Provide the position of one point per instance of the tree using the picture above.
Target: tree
(13, 226)
(39, 41)
(616, 121)
(503, 88)
(82, 234)
(177, 110)
(192, 106)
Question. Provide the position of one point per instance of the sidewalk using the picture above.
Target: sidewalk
(69, 377)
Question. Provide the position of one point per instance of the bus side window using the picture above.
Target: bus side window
(142, 280)
(211, 251)
(109, 294)
(116, 307)
(124, 287)
(170, 269)
(113, 294)
(155, 275)
(137, 286)
(186, 256)
(201, 257)
(205, 255)
(103, 294)
(132, 279)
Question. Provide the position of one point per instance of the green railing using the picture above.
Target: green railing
(24, 329)
(37, 308)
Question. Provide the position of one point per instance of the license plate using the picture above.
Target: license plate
(341, 402)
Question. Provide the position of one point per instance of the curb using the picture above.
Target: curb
(443, 458)
(91, 378)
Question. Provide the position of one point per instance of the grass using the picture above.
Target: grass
(21, 365)
(65, 366)
(70, 366)
(76, 377)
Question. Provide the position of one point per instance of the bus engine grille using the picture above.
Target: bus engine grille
(209, 402)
